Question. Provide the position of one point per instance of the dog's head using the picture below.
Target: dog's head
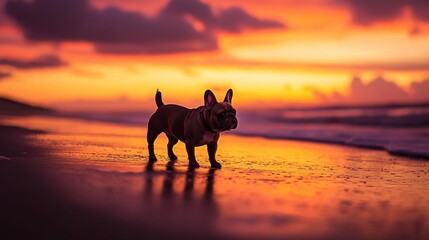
(221, 115)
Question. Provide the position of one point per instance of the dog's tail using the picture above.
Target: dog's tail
(158, 99)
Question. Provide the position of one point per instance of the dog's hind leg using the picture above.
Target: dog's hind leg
(152, 134)
(172, 140)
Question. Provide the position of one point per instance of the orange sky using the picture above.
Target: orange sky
(319, 48)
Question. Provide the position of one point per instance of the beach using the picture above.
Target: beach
(86, 179)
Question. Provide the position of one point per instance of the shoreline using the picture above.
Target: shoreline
(366, 143)
(401, 153)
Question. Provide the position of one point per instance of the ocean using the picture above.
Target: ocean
(400, 129)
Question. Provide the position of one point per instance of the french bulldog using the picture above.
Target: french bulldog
(195, 127)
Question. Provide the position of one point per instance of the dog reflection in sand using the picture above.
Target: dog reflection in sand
(194, 127)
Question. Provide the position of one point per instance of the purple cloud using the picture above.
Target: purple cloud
(77, 20)
(235, 19)
(232, 19)
(420, 90)
(197, 9)
(420, 9)
(118, 31)
(378, 90)
(46, 61)
(365, 12)
(4, 75)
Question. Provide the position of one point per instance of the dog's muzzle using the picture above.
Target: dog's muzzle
(235, 122)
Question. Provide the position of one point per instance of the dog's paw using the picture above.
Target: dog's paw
(153, 158)
(216, 165)
(170, 165)
(149, 166)
(193, 164)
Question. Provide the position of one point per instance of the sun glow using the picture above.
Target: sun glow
(274, 65)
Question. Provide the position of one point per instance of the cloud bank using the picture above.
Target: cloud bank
(378, 90)
(113, 30)
(365, 12)
(4, 75)
(45, 61)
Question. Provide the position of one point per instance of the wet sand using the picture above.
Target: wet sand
(88, 180)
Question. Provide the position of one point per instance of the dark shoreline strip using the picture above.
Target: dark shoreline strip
(403, 153)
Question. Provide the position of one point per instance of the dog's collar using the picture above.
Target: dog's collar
(206, 124)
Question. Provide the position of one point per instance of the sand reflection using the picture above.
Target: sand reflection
(184, 196)
(266, 188)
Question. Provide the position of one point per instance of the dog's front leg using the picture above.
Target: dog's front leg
(211, 149)
(190, 149)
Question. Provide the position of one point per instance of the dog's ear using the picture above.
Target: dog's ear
(209, 99)
(228, 96)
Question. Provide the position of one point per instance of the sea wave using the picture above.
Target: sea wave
(399, 130)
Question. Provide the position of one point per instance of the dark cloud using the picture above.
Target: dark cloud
(118, 31)
(366, 12)
(420, 90)
(46, 61)
(195, 8)
(378, 90)
(420, 9)
(76, 20)
(232, 19)
(235, 19)
(3, 17)
(4, 75)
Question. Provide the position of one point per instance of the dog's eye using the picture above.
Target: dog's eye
(222, 114)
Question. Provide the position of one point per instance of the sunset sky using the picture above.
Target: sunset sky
(75, 54)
